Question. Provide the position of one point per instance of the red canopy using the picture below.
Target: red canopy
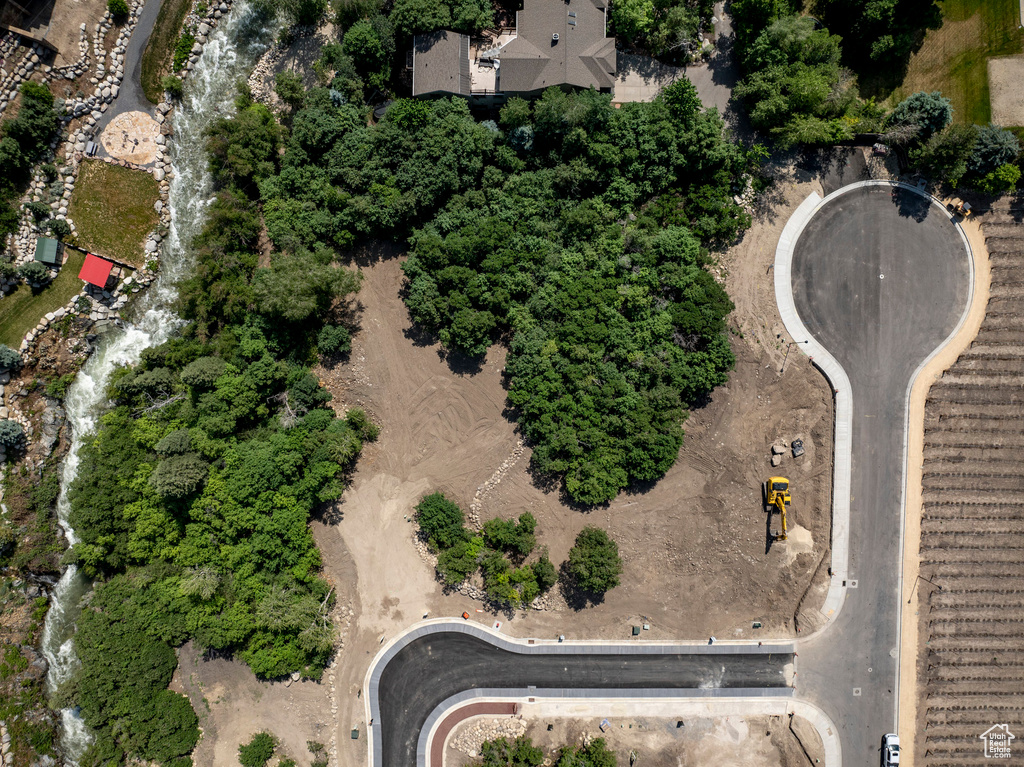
(95, 270)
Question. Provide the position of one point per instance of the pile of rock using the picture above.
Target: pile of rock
(470, 737)
(5, 746)
(262, 76)
(19, 73)
(203, 27)
(495, 479)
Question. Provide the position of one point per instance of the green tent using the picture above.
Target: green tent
(48, 251)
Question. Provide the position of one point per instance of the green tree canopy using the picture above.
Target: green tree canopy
(594, 561)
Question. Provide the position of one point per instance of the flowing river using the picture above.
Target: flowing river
(229, 55)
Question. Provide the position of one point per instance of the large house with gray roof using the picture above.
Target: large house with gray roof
(554, 43)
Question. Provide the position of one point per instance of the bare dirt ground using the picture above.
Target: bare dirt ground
(65, 26)
(655, 742)
(1004, 78)
(233, 706)
(693, 544)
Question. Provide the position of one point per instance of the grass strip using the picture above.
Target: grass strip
(953, 59)
(156, 58)
(21, 310)
(112, 207)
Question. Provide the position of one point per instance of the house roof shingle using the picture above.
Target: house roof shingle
(581, 56)
(440, 63)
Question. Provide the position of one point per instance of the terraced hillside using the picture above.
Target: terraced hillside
(972, 531)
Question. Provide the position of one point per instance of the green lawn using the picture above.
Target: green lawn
(953, 58)
(21, 310)
(156, 59)
(112, 208)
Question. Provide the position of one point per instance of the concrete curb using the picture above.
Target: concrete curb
(837, 378)
(834, 373)
(712, 704)
(371, 683)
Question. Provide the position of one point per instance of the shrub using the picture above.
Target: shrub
(945, 155)
(1002, 179)
(359, 423)
(33, 271)
(545, 572)
(49, 170)
(512, 537)
(288, 86)
(12, 435)
(594, 561)
(9, 358)
(203, 373)
(118, 8)
(173, 85)
(179, 476)
(994, 148)
(175, 443)
(460, 561)
(503, 752)
(60, 228)
(183, 49)
(257, 752)
(39, 210)
(58, 387)
(929, 112)
(441, 521)
(334, 341)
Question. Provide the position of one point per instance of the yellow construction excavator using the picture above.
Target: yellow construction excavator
(776, 499)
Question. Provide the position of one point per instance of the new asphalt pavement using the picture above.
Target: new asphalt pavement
(880, 281)
(433, 668)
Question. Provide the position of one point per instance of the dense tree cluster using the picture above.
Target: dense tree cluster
(520, 752)
(795, 86)
(571, 228)
(593, 566)
(193, 498)
(883, 32)
(23, 140)
(664, 28)
(496, 552)
(983, 157)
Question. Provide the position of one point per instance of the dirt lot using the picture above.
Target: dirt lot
(65, 26)
(656, 742)
(1004, 78)
(694, 544)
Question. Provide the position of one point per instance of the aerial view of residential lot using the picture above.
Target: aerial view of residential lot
(511, 383)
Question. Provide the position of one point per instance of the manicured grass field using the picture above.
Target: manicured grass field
(156, 59)
(21, 310)
(112, 207)
(953, 58)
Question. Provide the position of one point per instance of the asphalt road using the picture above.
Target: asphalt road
(433, 668)
(880, 289)
(130, 96)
